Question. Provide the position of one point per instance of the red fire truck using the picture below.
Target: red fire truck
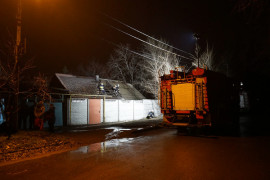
(199, 98)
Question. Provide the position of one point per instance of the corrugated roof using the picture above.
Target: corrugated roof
(78, 84)
(127, 91)
(89, 85)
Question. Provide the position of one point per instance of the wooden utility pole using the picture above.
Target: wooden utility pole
(196, 36)
(19, 31)
(17, 53)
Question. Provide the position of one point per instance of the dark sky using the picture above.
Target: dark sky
(69, 32)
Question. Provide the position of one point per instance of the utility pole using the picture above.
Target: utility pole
(17, 53)
(196, 36)
(19, 31)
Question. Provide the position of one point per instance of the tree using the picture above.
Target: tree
(65, 70)
(123, 65)
(92, 68)
(11, 75)
(205, 58)
(143, 69)
(41, 88)
(158, 59)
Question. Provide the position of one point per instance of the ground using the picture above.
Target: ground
(156, 153)
(34, 144)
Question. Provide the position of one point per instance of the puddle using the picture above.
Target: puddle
(119, 128)
(87, 149)
(101, 147)
(116, 131)
(111, 143)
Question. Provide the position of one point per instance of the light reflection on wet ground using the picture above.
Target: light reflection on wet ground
(112, 142)
(119, 128)
(101, 148)
(116, 131)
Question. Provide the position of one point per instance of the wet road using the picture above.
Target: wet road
(156, 154)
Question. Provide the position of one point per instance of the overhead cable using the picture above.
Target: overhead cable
(147, 42)
(146, 34)
(134, 52)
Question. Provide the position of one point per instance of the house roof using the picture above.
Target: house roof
(89, 86)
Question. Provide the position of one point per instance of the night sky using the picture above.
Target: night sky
(69, 32)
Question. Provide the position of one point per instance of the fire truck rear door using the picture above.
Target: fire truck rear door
(183, 96)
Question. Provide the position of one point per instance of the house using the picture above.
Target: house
(83, 103)
(80, 85)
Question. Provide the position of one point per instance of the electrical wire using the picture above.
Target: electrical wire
(145, 41)
(134, 52)
(124, 24)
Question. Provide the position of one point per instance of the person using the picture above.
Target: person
(9, 127)
(23, 114)
(50, 117)
(116, 89)
(101, 88)
(150, 115)
(39, 112)
(31, 116)
(2, 108)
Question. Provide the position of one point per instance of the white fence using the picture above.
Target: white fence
(128, 110)
(111, 111)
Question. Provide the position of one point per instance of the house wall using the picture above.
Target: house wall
(151, 105)
(115, 110)
(129, 110)
(138, 109)
(125, 109)
(111, 111)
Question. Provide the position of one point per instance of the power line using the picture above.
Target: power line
(146, 42)
(134, 52)
(145, 34)
(131, 51)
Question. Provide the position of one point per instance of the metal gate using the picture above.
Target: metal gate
(77, 111)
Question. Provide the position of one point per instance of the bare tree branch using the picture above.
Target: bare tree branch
(162, 63)
(92, 69)
(123, 65)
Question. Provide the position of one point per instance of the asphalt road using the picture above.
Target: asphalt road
(155, 154)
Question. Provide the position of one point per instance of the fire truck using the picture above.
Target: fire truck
(199, 98)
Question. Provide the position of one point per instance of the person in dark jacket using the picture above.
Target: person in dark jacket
(23, 114)
(50, 117)
(39, 115)
(31, 116)
(101, 88)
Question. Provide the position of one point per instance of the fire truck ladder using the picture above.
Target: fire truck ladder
(167, 100)
(205, 97)
(200, 88)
